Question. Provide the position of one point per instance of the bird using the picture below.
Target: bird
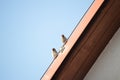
(54, 53)
(64, 39)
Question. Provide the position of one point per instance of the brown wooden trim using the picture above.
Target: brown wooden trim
(72, 39)
(91, 43)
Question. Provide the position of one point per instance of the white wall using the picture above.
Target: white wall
(107, 66)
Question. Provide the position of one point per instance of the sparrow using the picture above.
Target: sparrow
(54, 53)
(64, 39)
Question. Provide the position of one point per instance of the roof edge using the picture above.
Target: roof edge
(72, 39)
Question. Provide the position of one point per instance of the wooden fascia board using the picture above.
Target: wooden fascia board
(91, 43)
(72, 39)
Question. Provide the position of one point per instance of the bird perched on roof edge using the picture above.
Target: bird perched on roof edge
(54, 53)
(64, 39)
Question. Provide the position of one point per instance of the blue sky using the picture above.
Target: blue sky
(29, 29)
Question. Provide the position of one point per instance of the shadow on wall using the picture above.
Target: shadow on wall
(107, 66)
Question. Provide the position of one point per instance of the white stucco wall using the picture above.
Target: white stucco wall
(107, 66)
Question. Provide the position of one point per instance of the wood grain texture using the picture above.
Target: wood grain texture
(91, 43)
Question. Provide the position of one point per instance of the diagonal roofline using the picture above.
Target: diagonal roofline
(72, 39)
